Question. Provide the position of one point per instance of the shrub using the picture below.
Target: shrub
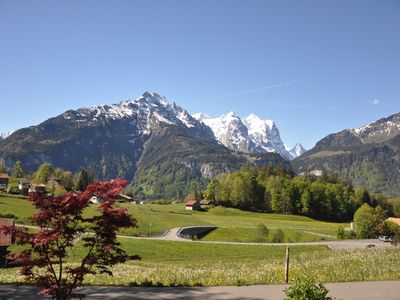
(396, 238)
(262, 233)
(387, 228)
(305, 288)
(340, 234)
(278, 236)
(13, 189)
(366, 220)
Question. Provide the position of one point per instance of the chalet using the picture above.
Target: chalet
(4, 181)
(24, 185)
(193, 205)
(37, 188)
(5, 241)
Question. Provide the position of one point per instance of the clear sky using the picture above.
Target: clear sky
(314, 67)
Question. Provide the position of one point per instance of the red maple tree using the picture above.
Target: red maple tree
(61, 224)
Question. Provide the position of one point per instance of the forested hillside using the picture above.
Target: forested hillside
(276, 190)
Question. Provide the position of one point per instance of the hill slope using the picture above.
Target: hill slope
(369, 156)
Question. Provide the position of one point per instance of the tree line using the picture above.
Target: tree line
(278, 190)
(68, 181)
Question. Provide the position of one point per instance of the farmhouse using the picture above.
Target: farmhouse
(4, 181)
(193, 205)
(37, 188)
(24, 185)
(5, 241)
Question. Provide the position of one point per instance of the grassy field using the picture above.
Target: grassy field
(233, 224)
(166, 263)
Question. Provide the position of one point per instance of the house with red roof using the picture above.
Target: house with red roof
(193, 205)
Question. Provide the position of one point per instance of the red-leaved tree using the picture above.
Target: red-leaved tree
(62, 224)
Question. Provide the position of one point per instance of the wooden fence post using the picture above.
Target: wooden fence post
(287, 265)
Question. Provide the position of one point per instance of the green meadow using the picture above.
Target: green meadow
(233, 224)
(167, 263)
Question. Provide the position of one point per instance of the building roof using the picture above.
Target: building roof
(5, 239)
(191, 202)
(38, 185)
(25, 181)
(394, 220)
(126, 197)
(204, 202)
(4, 175)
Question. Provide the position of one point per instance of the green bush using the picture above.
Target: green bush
(278, 236)
(396, 238)
(305, 288)
(262, 233)
(13, 189)
(340, 233)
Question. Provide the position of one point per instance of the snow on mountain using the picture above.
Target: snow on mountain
(230, 131)
(148, 112)
(253, 134)
(4, 135)
(379, 130)
(297, 150)
(265, 135)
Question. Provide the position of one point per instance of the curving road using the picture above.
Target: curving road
(172, 235)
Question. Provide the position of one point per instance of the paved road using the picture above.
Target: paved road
(172, 235)
(381, 290)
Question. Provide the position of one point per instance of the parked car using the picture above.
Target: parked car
(385, 238)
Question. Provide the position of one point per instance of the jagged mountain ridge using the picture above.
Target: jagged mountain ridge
(369, 156)
(126, 140)
(251, 135)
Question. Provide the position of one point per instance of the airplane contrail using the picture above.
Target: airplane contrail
(253, 90)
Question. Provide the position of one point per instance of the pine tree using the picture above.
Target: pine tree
(83, 180)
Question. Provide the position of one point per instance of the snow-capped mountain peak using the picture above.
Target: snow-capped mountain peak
(252, 134)
(297, 150)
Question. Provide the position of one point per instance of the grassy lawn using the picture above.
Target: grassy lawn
(249, 235)
(233, 224)
(21, 209)
(167, 263)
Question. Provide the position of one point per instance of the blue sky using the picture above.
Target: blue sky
(315, 67)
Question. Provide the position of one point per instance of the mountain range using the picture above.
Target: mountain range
(369, 156)
(159, 146)
(165, 152)
(251, 135)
